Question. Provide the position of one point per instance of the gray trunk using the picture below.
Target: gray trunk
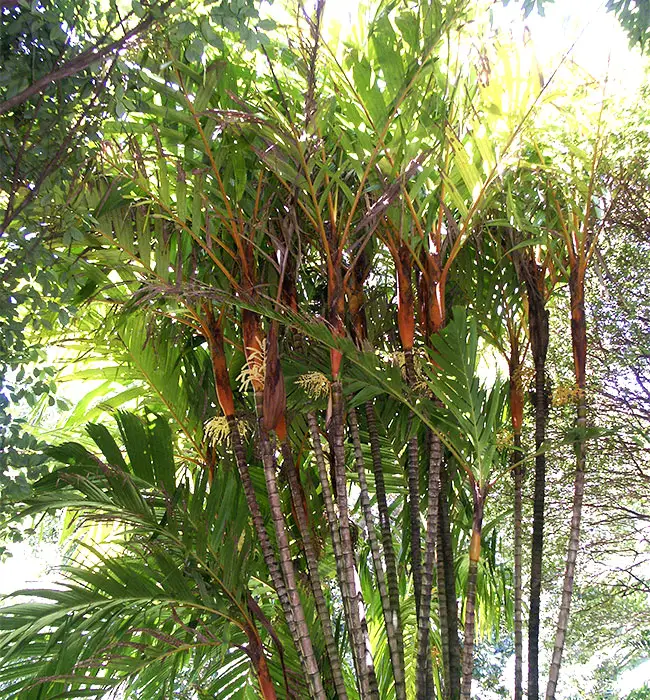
(393, 633)
(424, 681)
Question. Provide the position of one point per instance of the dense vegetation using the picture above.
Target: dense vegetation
(324, 353)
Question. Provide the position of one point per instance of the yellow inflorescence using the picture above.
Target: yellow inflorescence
(504, 440)
(217, 430)
(315, 384)
(566, 395)
(254, 370)
(524, 377)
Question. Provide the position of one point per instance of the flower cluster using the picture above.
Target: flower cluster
(254, 370)
(217, 430)
(315, 384)
(566, 395)
(504, 440)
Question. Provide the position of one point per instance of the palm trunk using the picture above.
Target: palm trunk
(360, 643)
(572, 555)
(258, 524)
(384, 522)
(519, 478)
(470, 604)
(424, 680)
(303, 637)
(447, 595)
(413, 475)
(314, 575)
(330, 511)
(393, 635)
(538, 330)
(516, 417)
(442, 606)
(328, 500)
(579, 341)
(537, 548)
(214, 335)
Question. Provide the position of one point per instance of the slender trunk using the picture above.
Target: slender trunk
(328, 500)
(447, 594)
(468, 647)
(268, 553)
(470, 604)
(442, 606)
(303, 638)
(360, 643)
(424, 680)
(537, 548)
(214, 335)
(572, 555)
(519, 478)
(384, 522)
(413, 474)
(314, 575)
(579, 341)
(332, 517)
(393, 635)
(516, 418)
(539, 334)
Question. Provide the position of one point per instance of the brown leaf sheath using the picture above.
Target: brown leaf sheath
(275, 399)
(218, 356)
(405, 306)
(255, 651)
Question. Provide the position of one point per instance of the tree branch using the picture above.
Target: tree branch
(77, 64)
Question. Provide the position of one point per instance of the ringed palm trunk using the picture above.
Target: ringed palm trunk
(384, 522)
(356, 307)
(286, 563)
(314, 575)
(413, 477)
(350, 590)
(270, 558)
(334, 524)
(393, 635)
(470, 605)
(424, 680)
(539, 334)
(348, 579)
(447, 602)
(516, 415)
(579, 342)
(406, 328)
(442, 607)
(518, 622)
(328, 500)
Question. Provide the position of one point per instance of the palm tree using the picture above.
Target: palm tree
(248, 232)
